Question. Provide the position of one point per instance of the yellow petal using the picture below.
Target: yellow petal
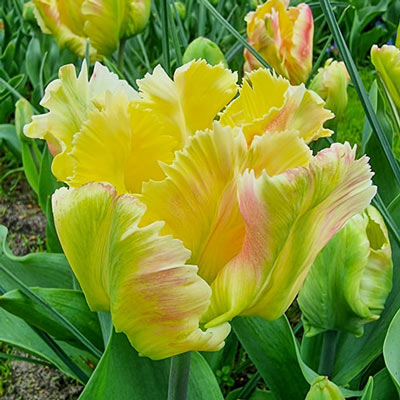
(70, 100)
(267, 103)
(120, 145)
(289, 218)
(140, 276)
(198, 198)
(276, 153)
(190, 102)
(67, 33)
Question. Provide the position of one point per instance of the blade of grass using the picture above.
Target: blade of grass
(391, 224)
(54, 313)
(17, 94)
(202, 20)
(250, 386)
(228, 18)
(26, 359)
(220, 7)
(232, 52)
(58, 350)
(175, 40)
(41, 84)
(181, 29)
(359, 86)
(144, 51)
(62, 354)
(235, 33)
(165, 37)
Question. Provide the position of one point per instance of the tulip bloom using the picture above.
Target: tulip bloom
(386, 61)
(331, 84)
(105, 23)
(233, 225)
(283, 36)
(351, 278)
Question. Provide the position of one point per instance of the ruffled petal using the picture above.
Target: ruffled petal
(140, 276)
(198, 198)
(70, 100)
(270, 104)
(289, 218)
(190, 102)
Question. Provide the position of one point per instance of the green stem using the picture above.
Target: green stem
(179, 377)
(120, 62)
(328, 353)
(165, 36)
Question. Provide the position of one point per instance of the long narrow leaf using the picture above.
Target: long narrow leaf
(359, 86)
(234, 32)
(165, 37)
(55, 314)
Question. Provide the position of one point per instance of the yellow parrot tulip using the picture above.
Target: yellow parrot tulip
(231, 222)
(103, 22)
(283, 36)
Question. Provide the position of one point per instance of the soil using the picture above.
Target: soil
(36, 382)
(26, 223)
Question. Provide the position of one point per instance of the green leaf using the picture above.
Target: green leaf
(384, 388)
(122, 374)
(359, 86)
(258, 394)
(18, 333)
(33, 61)
(391, 350)
(69, 303)
(384, 177)
(36, 269)
(368, 390)
(8, 135)
(271, 347)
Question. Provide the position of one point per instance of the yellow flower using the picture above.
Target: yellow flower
(331, 84)
(284, 37)
(386, 61)
(89, 123)
(104, 22)
(230, 228)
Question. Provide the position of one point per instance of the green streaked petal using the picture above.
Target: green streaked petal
(289, 218)
(140, 276)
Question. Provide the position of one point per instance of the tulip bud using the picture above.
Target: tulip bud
(73, 23)
(398, 36)
(206, 49)
(323, 389)
(23, 115)
(350, 279)
(386, 61)
(28, 13)
(180, 8)
(284, 38)
(331, 84)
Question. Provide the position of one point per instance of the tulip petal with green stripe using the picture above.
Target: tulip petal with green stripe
(289, 218)
(141, 277)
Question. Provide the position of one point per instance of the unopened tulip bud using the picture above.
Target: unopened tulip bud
(331, 84)
(323, 389)
(203, 48)
(386, 61)
(350, 279)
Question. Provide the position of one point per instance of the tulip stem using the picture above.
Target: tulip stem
(328, 353)
(179, 377)
(121, 50)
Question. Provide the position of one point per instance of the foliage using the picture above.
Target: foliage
(42, 308)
